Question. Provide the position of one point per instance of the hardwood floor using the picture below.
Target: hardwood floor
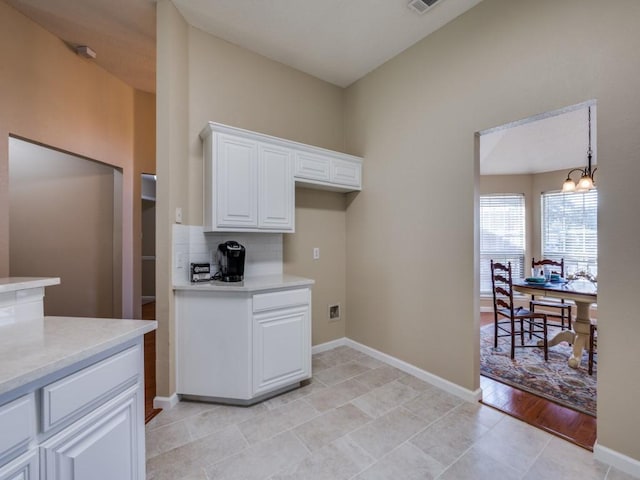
(149, 313)
(573, 426)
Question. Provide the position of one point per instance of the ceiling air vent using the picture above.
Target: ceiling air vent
(421, 6)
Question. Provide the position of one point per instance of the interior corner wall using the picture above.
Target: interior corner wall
(415, 118)
(52, 96)
(230, 85)
(202, 78)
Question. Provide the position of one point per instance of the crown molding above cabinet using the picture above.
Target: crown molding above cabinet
(250, 178)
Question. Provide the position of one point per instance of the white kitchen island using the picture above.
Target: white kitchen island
(242, 342)
(71, 391)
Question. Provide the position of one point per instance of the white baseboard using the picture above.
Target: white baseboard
(626, 464)
(166, 403)
(323, 347)
(446, 385)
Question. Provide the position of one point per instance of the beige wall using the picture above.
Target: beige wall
(52, 96)
(414, 120)
(171, 187)
(62, 220)
(320, 222)
(227, 84)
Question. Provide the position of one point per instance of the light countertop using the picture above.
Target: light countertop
(32, 349)
(249, 284)
(11, 284)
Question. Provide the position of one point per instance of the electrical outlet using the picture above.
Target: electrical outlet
(178, 215)
(316, 253)
(334, 312)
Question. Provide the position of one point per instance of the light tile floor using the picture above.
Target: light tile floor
(359, 419)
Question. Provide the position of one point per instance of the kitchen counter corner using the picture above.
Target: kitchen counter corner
(32, 349)
(12, 284)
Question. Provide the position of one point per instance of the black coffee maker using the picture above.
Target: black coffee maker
(230, 259)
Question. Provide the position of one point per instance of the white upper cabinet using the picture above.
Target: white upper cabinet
(236, 170)
(276, 193)
(248, 183)
(327, 170)
(250, 178)
(310, 166)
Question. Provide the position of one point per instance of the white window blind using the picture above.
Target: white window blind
(502, 235)
(570, 229)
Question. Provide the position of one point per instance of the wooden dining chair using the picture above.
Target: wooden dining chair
(593, 343)
(511, 321)
(564, 308)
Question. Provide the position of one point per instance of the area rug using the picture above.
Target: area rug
(553, 380)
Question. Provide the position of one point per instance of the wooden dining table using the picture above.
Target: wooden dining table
(584, 294)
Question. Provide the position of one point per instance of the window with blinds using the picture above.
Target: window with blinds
(570, 229)
(502, 235)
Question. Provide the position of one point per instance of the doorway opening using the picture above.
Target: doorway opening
(148, 238)
(522, 166)
(65, 220)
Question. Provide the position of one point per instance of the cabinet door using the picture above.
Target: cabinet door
(22, 468)
(281, 348)
(236, 177)
(313, 167)
(275, 188)
(105, 445)
(346, 173)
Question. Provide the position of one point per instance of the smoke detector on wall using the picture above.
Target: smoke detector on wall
(85, 51)
(421, 6)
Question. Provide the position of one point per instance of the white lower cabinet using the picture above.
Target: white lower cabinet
(84, 424)
(240, 347)
(104, 445)
(24, 467)
(281, 351)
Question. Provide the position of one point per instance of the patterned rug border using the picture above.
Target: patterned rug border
(558, 353)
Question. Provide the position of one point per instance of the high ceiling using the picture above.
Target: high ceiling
(338, 41)
(544, 143)
(121, 32)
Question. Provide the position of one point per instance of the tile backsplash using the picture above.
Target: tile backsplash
(192, 245)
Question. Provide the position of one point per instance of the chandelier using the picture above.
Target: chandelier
(586, 182)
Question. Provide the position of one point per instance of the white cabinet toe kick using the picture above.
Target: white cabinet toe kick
(242, 403)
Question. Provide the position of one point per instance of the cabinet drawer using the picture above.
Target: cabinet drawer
(281, 299)
(17, 427)
(74, 395)
(312, 167)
